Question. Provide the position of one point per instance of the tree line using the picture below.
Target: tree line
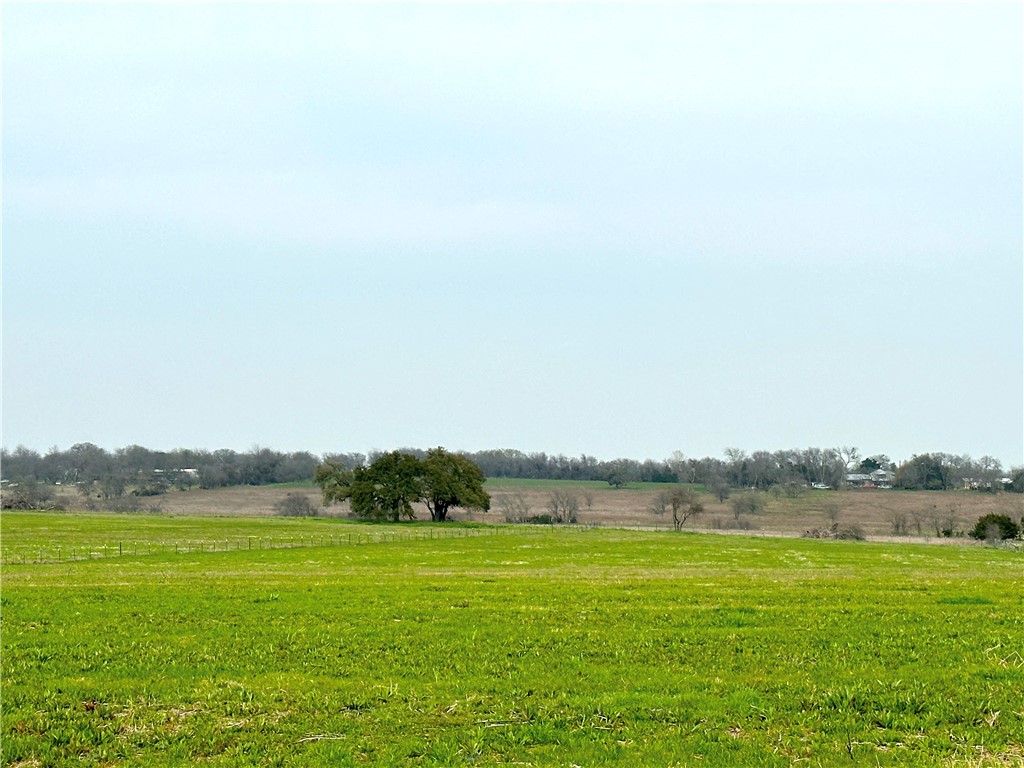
(147, 472)
(141, 471)
(827, 467)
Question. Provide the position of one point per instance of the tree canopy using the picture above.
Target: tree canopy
(452, 480)
(393, 482)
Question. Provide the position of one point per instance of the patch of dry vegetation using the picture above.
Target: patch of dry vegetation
(878, 513)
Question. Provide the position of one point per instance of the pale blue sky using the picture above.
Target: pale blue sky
(620, 230)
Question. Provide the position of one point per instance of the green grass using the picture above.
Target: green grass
(48, 537)
(542, 648)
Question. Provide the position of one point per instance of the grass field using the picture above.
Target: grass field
(41, 537)
(585, 647)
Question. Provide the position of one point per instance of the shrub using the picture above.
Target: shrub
(122, 504)
(994, 526)
(850, 533)
(751, 503)
(296, 505)
(845, 533)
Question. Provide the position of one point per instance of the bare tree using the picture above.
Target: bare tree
(564, 506)
(678, 464)
(514, 507)
(849, 455)
(917, 518)
(898, 522)
(588, 499)
(685, 504)
(945, 522)
(736, 468)
(659, 504)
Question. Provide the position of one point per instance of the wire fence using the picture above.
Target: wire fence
(60, 553)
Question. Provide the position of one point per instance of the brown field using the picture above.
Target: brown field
(876, 511)
(872, 510)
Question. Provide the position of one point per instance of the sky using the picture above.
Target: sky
(620, 230)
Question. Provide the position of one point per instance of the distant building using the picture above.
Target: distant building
(879, 478)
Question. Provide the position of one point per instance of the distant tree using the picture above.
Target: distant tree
(791, 490)
(986, 473)
(945, 522)
(619, 473)
(451, 480)
(685, 504)
(393, 482)
(112, 486)
(295, 466)
(898, 522)
(335, 481)
(347, 460)
(23, 464)
(823, 466)
(514, 506)
(259, 466)
(89, 461)
(564, 506)
(719, 488)
(848, 455)
(763, 470)
(679, 467)
(737, 468)
(588, 499)
(136, 460)
(1016, 484)
(956, 469)
(387, 489)
(748, 504)
(927, 472)
(153, 486)
(870, 464)
(993, 526)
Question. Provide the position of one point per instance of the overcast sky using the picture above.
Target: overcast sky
(614, 229)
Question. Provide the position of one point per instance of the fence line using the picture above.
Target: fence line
(75, 553)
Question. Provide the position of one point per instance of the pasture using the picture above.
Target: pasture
(874, 511)
(529, 647)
